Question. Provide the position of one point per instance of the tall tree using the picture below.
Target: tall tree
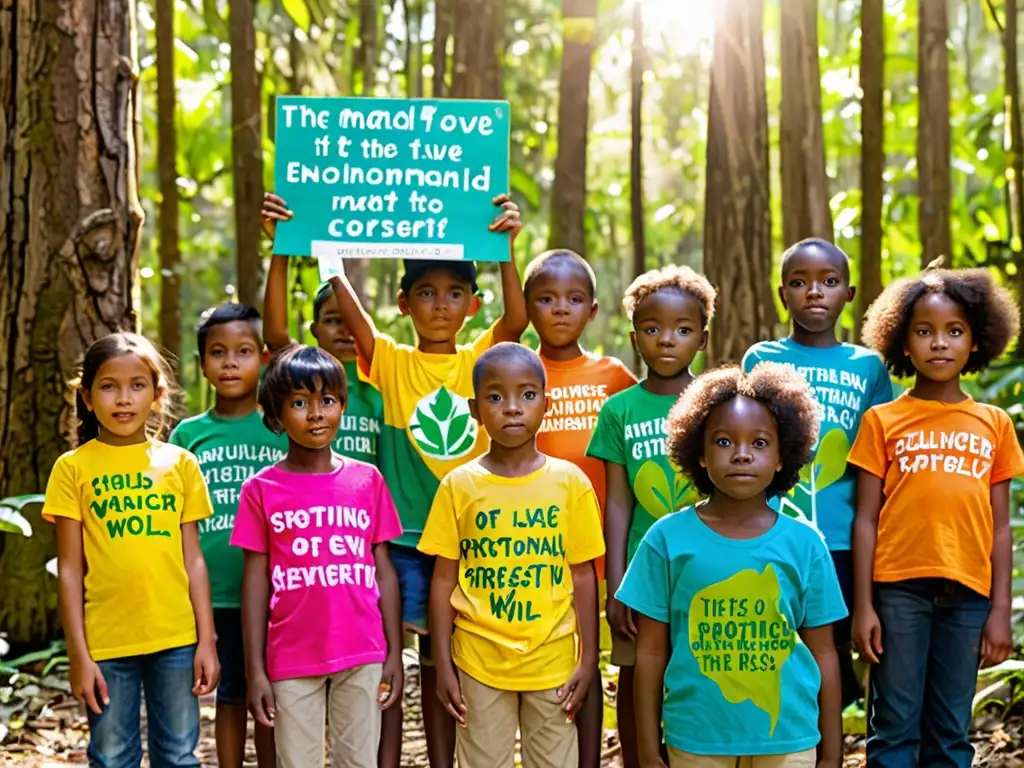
(872, 150)
(569, 193)
(636, 156)
(805, 209)
(933, 148)
(439, 54)
(69, 231)
(737, 216)
(167, 153)
(479, 48)
(246, 151)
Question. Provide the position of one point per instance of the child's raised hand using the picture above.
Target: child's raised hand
(206, 668)
(867, 635)
(997, 639)
(88, 685)
(574, 692)
(274, 210)
(392, 681)
(620, 619)
(450, 693)
(509, 220)
(261, 701)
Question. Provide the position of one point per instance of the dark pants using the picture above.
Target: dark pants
(924, 685)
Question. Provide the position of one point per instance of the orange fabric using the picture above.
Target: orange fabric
(577, 390)
(938, 462)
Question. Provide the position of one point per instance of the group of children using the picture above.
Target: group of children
(489, 499)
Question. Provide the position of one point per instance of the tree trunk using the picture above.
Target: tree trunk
(872, 151)
(636, 155)
(737, 216)
(933, 176)
(69, 231)
(247, 152)
(805, 196)
(439, 55)
(569, 193)
(167, 154)
(479, 49)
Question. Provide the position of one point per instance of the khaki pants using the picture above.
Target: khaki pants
(492, 717)
(350, 698)
(679, 759)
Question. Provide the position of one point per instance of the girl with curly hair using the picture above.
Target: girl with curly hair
(932, 547)
(735, 602)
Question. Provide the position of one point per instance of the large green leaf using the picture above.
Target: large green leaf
(11, 519)
(652, 489)
(299, 12)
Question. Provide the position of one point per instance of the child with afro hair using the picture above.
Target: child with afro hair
(932, 546)
(735, 602)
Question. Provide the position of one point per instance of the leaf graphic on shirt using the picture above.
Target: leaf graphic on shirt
(456, 430)
(442, 427)
(652, 489)
(684, 493)
(830, 458)
(442, 405)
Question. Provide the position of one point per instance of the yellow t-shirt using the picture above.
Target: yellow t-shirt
(515, 538)
(132, 501)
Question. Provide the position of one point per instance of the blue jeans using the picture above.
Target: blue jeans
(923, 687)
(171, 707)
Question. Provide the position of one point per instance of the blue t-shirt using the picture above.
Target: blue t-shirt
(739, 681)
(847, 380)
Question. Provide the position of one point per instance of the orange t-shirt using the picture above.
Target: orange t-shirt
(938, 462)
(577, 390)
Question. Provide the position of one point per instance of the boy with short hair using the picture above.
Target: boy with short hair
(231, 444)
(516, 534)
(427, 428)
(560, 289)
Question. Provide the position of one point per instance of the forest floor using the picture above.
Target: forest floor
(51, 730)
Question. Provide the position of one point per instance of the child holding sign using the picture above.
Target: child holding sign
(516, 534)
(735, 602)
(320, 603)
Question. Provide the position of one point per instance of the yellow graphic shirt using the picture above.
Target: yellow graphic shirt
(131, 501)
(515, 538)
(428, 430)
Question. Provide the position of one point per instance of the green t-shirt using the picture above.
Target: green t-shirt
(630, 431)
(361, 422)
(230, 451)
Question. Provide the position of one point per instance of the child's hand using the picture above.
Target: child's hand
(274, 210)
(206, 668)
(620, 619)
(867, 635)
(392, 681)
(261, 701)
(508, 220)
(450, 694)
(88, 685)
(997, 639)
(574, 692)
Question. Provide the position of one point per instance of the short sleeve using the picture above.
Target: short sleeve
(586, 539)
(441, 533)
(387, 526)
(750, 359)
(384, 351)
(250, 530)
(483, 342)
(1009, 461)
(822, 596)
(645, 587)
(868, 451)
(197, 496)
(62, 498)
(608, 441)
(882, 393)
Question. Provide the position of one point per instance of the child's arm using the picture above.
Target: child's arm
(652, 653)
(275, 304)
(584, 586)
(442, 620)
(513, 321)
(392, 678)
(997, 639)
(87, 683)
(867, 630)
(205, 665)
(255, 604)
(618, 516)
(830, 707)
(359, 323)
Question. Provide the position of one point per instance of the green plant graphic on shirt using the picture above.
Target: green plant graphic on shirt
(827, 466)
(442, 425)
(740, 639)
(659, 494)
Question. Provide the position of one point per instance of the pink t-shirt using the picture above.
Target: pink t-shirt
(319, 532)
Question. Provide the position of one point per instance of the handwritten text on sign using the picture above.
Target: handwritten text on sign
(391, 178)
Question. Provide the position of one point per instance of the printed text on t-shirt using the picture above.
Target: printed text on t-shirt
(952, 453)
(334, 533)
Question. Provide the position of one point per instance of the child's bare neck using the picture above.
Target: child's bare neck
(513, 462)
(308, 461)
(447, 347)
(561, 354)
(941, 391)
(675, 385)
(737, 518)
(236, 408)
(819, 339)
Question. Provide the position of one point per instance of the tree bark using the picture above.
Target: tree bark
(933, 148)
(636, 154)
(479, 49)
(167, 154)
(69, 231)
(805, 195)
(737, 216)
(439, 54)
(569, 193)
(247, 152)
(872, 151)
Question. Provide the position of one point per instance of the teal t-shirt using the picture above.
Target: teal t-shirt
(847, 380)
(230, 451)
(630, 431)
(360, 424)
(739, 680)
